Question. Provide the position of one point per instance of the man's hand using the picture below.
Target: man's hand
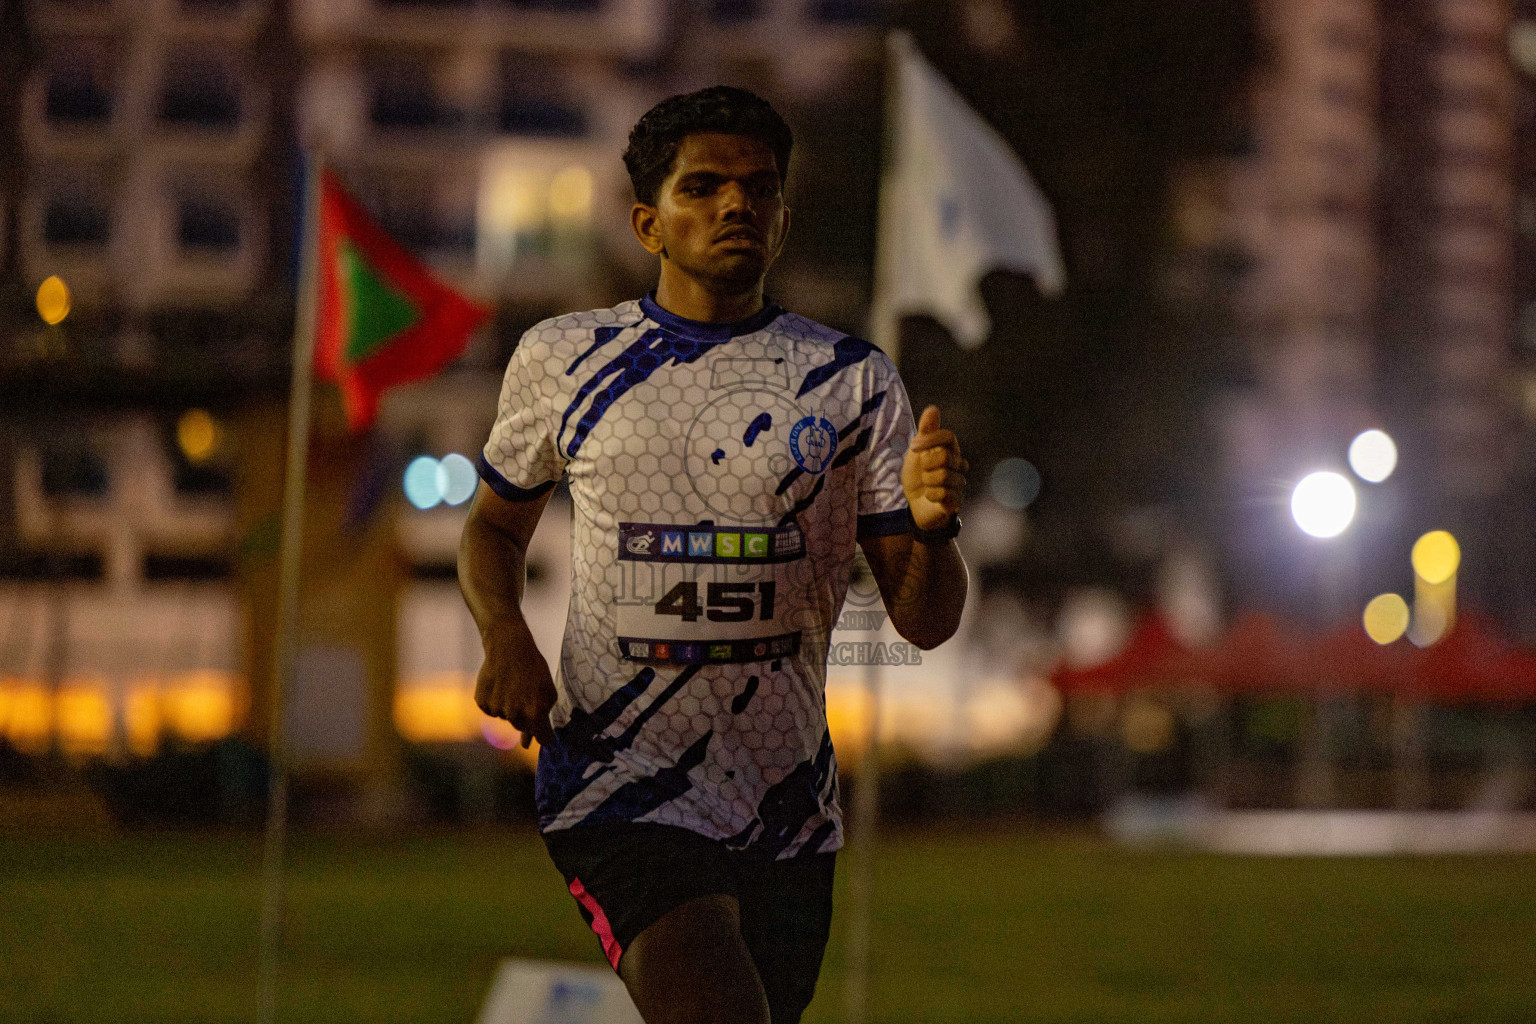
(933, 473)
(515, 684)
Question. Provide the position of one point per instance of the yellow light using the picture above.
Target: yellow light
(198, 434)
(438, 710)
(53, 300)
(84, 718)
(26, 715)
(511, 201)
(570, 195)
(1386, 618)
(142, 719)
(848, 720)
(1436, 556)
(200, 706)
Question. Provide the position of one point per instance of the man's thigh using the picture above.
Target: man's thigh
(626, 876)
(786, 917)
(691, 967)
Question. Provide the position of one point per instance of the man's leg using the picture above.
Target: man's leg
(692, 967)
(786, 917)
(661, 902)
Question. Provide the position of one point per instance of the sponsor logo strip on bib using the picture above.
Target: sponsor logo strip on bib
(705, 543)
(695, 652)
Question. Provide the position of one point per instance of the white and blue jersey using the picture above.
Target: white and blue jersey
(721, 476)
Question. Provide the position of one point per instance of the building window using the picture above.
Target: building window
(420, 231)
(734, 12)
(846, 12)
(76, 96)
(72, 468)
(525, 115)
(404, 98)
(207, 224)
(76, 220)
(210, 8)
(405, 208)
(200, 91)
(556, 5)
(532, 103)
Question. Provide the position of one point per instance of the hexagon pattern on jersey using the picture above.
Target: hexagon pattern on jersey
(652, 419)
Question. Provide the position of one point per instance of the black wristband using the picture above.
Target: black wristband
(943, 535)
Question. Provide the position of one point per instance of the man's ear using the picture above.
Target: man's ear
(647, 228)
(783, 234)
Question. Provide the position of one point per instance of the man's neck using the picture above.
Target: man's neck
(683, 296)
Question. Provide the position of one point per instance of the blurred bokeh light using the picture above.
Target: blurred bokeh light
(1386, 618)
(421, 482)
(1014, 483)
(1436, 556)
(1323, 504)
(430, 482)
(1522, 46)
(1373, 456)
(197, 433)
(53, 300)
(456, 478)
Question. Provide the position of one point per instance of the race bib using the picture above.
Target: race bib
(705, 593)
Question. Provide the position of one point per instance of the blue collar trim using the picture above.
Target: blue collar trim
(706, 330)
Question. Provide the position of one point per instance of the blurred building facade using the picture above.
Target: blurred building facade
(1377, 211)
(158, 175)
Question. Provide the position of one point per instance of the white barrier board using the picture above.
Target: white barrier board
(541, 992)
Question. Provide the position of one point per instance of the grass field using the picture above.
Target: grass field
(969, 927)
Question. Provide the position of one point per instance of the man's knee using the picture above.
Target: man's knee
(692, 967)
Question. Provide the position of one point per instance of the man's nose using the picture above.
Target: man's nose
(734, 198)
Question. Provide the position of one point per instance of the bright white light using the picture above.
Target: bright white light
(456, 478)
(1014, 483)
(1323, 504)
(1373, 456)
(1522, 45)
(422, 488)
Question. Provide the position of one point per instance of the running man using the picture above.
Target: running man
(724, 458)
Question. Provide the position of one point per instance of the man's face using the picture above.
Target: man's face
(719, 216)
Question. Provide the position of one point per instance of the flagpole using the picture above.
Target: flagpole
(885, 328)
(299, 394)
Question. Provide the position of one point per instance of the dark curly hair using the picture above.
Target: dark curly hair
(655, 137)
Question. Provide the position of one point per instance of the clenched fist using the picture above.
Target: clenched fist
(933, 473)
(515, 684)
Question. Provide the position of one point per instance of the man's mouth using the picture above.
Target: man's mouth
(741, 235)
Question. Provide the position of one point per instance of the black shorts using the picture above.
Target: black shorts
(627, 875)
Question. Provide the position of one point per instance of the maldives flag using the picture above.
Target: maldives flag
(381, 317)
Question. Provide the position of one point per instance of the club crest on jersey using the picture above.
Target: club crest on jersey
(813, 442)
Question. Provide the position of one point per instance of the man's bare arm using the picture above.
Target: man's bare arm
(514, 681)
(923, 585)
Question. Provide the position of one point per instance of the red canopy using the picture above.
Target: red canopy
(1262, 653)
(1345, 657)
(1473, 662)
(1152, 657)
(1259, 653)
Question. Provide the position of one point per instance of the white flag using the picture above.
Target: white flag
(955, 203)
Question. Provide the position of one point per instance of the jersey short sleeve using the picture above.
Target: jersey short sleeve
(882, 503)
(522, 458)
